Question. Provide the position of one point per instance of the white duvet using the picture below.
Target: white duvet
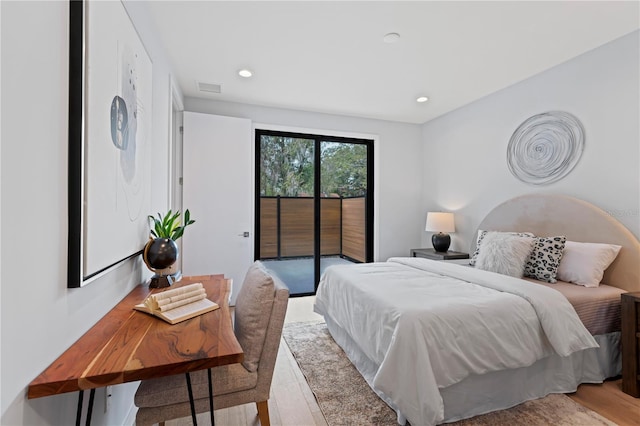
(428, 324)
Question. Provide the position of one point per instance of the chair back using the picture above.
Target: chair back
(259, 315)
(273, 338)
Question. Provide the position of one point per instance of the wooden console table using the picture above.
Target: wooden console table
(127, 345)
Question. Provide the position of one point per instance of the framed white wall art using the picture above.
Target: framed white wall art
(110, 101)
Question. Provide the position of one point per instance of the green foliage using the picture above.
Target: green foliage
(168, 226)
(343, 169)
(287, 168)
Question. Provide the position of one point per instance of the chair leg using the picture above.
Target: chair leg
(263, 412)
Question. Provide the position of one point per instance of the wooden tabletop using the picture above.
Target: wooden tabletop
(127, 345)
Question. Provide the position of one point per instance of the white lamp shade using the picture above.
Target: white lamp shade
(440, 222)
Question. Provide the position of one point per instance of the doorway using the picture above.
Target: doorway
(314, 204)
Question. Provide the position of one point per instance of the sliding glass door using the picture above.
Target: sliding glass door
(314, 204)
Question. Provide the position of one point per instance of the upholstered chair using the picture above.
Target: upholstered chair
(259, 317)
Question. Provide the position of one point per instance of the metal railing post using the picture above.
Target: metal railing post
(278, 225)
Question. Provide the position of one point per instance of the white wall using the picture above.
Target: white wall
(465, 150)
(399, 164)
(40, 317)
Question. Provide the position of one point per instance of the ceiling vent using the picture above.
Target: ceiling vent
(209, 87)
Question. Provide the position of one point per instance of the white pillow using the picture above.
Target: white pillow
(504, 253)
(481, 234)
(585, 263)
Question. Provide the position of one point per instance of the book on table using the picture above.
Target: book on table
(178, 304)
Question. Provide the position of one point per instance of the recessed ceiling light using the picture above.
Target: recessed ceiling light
(391, 37)
(245, 73)
(422, 99)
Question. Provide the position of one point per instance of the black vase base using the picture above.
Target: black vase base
(161, 281)
(441, 242)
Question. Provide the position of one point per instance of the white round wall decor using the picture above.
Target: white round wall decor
(545, 147)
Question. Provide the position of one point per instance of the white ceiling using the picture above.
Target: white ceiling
(330, 57)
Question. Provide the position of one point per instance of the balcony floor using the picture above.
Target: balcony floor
(297, 273)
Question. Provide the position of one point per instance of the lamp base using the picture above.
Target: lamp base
(441, 242)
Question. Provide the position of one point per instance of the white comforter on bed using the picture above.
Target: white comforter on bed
(429, 324)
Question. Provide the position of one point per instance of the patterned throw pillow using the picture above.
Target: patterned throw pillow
(544, 259)
(481, 234)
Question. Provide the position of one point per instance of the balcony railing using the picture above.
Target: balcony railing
(287, 227)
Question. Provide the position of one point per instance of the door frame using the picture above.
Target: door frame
(174, 184)
(319, 136)
(354, 135)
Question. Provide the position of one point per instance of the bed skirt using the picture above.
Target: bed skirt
(480, 394)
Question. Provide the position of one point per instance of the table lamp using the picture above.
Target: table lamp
(440, 223)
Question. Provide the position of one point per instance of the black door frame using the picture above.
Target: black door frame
(369, 201)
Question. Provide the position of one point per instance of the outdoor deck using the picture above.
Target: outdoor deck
(297, 273)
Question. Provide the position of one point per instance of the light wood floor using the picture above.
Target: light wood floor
(609, 401)
(292, 403)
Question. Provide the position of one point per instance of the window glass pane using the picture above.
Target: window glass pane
(287, 224)
(286, 166)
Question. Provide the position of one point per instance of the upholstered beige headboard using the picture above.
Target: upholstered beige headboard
(578, 220)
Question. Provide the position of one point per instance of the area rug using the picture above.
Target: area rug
(345, 398)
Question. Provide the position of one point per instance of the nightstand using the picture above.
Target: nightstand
(430, 253)
(631, 344)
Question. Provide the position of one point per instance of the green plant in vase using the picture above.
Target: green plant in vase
(161, 251)
(169, 226)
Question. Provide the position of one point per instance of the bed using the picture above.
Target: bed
(444, 341)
